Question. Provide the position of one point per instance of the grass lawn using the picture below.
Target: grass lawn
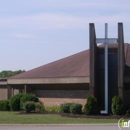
(15, 118)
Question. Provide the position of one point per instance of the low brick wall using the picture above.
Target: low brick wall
(58, 101)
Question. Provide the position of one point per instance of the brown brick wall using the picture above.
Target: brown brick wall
(58, 101)
(57, 97)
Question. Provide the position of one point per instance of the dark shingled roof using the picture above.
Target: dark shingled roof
(76, 65)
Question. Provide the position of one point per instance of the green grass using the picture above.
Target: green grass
(52, 109)
(15, 118)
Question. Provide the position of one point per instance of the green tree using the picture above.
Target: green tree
(9, 73)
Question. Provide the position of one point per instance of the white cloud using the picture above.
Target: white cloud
(101, 4)
(59, 21)
(94, 13)
(43, 21)
(81, 3)
(21, 35)
(86, 4)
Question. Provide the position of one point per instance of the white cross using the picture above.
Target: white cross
(106, 41)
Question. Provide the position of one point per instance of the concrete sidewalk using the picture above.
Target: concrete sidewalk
(60, 127)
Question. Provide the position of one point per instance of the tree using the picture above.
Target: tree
(9, 73)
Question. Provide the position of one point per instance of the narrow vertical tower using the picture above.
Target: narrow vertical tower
(121, 58)
(93, 57)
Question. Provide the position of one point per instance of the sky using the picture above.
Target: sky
(37, 32)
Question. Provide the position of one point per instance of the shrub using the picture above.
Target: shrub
(14, 102)
(65, 108)
(27, 97)
(39, 107)
(29, 106)
(52, 109)
(76, 108)
(4, 105)
(91, 107)
(128, 113)
(117, 105)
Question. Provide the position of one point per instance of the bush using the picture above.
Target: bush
(65, 108)
(128, 113)
(27, 97)
(29, 106)
(14, 102)
(91, 107)
(117, 105)
(76, 108)
(4, 105)
(39, 107)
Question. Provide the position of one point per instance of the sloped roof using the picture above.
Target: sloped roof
(72, 66)
(76, 65)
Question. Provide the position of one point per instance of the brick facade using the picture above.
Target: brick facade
(57, 97)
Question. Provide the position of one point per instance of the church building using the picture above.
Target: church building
(72, 78)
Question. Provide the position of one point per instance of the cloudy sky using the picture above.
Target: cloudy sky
(36, 32)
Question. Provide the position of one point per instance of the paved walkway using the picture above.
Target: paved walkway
(60, 127)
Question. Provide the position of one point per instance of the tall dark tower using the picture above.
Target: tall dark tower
(115, 67)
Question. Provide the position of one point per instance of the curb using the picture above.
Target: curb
(113, 124)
